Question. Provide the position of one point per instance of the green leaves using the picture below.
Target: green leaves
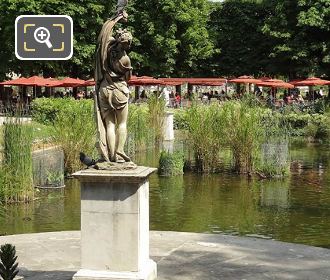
(8, 265)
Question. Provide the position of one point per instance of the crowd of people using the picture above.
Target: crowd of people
(21, 100)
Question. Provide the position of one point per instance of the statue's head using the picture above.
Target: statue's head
(124, 38)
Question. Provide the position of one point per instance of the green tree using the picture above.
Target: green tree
(87, 15)
(300, 33)
(171, 36)
(236, 27)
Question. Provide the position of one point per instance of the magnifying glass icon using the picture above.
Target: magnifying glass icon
(41, 35)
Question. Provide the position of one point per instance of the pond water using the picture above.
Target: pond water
(296, 209)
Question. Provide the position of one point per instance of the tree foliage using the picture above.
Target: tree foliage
(236, 27)
(299, 32)
(171, 36)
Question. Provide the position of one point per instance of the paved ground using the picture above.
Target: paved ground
(181, 256)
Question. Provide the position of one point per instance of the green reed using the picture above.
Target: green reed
(242, 126)
(242, 133)
(16, 183)
(156, 108)
(205, 129)
(140, 135)
(75, 132)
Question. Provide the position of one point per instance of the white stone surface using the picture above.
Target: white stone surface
(115, 225)
(168, 126)
(149, 272)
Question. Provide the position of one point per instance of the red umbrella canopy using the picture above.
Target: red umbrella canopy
(90, 82)
(311, 82)
(144, 81)
(245, 80)
(194, 81)
(40, 81)
(16, 82)
(274, 83)
(33, 81)
(71, 82)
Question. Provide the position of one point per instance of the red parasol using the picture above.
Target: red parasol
(195, 81)
(144, 81)
(71, 82)
(40, 81)
(274, 83)
(245, 80)
(311, 82)
(90, 82)
(16, 82)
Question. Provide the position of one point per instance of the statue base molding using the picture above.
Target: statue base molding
(115, 225)
(148, 273)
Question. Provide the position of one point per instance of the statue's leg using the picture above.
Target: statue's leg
(110, 121)
(122, 131)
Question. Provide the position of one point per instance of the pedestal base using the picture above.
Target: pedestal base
(148, 273)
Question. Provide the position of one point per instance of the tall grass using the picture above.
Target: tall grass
(140, 134)
(156, 107)
(16, 183)
(75, 132)
(205, 129)
(243, 127)
(243, 133)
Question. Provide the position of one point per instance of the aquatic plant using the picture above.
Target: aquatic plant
(243, 127)
(16, 183)
(243, 133)
(75, 131)
(205, 136)
(156, 108)
(171, 164)
(140, 135)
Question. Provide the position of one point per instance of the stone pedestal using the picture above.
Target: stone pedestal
(168, 127)
(115, 225)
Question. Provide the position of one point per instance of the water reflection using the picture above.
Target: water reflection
(296, 209)
(274, 193)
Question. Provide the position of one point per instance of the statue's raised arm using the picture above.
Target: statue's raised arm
(121, 5)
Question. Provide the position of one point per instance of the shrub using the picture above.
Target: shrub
(171, 164)
(44, 110)
(180, 119)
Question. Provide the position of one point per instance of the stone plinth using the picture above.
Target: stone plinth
(168, 126)
(115, 225)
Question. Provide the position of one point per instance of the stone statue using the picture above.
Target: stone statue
(112, 72)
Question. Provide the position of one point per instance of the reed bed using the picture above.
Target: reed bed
(205, 130)
(156, 108)
(16, 177)
(140, 134)
(246, 129)
(75, 132)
